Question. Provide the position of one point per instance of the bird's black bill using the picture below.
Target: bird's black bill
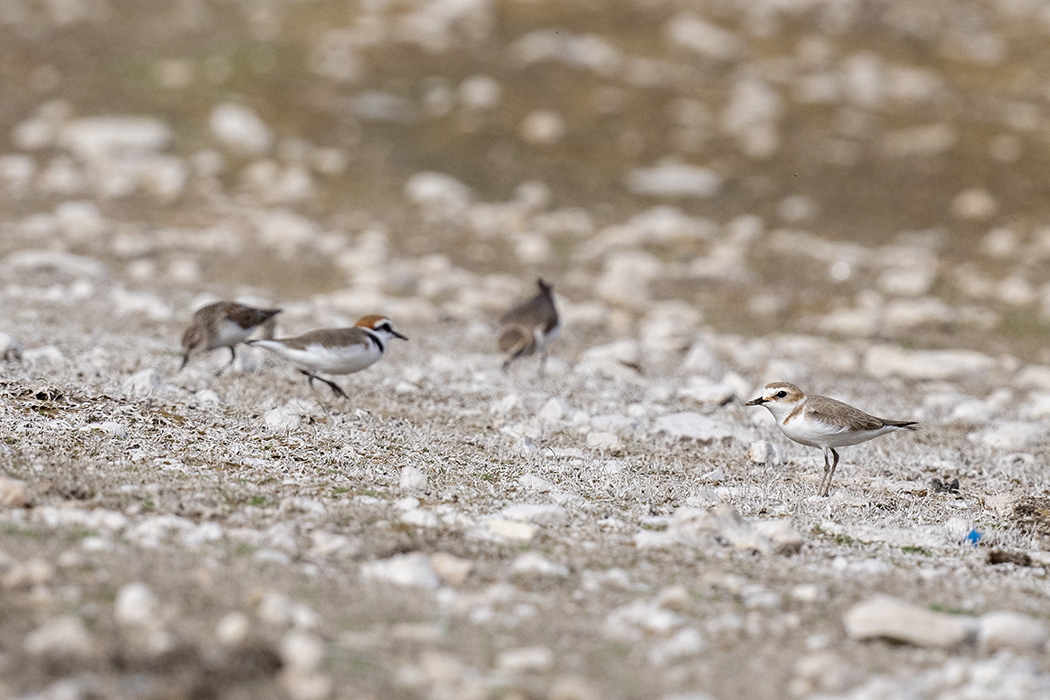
(756, 402)
(398, 335)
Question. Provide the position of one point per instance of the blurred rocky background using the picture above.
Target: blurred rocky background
(871, 169)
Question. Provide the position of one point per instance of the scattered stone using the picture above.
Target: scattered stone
(62, 638)
(413, 479)
(12, 493)
(1009, 630)
(692, 426)
(890, 361)
(450, 568)
(302, 652)
(241, 129)
(765, 452)
(10, 348)
(899, 621)
(512, 529)
(674, 180)
(1009, 435)
(282, 419)
(525, 660)
(606, 442)
(533, 565)
(233, 629)
(540, 514)
(412, 569)
(136, 606)
(144, 383)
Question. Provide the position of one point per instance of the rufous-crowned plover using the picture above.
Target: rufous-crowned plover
(335, 350)
(819, 421)
(222, 324)
(530, 326)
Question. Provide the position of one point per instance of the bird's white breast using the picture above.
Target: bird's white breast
(228, 333)
(344, 359)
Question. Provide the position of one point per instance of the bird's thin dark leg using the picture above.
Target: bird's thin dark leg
(332, 385)
(233, 358)
(543, 362)
(827, 468)
(185, 359)
(831, 473)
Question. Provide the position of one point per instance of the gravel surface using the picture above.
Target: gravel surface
(847, 196)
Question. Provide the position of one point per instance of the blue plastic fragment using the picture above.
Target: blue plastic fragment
(973, 537)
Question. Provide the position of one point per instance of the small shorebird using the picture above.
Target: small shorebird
(529, 327)
(222, 325)
(335, 350)
(818, 421)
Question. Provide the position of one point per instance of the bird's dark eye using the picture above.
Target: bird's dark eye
(781, 394)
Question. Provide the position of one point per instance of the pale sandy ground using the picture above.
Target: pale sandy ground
(848, 196)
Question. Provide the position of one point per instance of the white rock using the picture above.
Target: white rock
(10, 348)
(92, 138)
(538, 513)
(421, 518)
(480, 92)
(631, 620)
(908, 281)
(532, 564)
(608, 442)
(701, 359)
(554, 410)
(535, 483)
(751, 114)
(625, 281)
(706, 391)
(413, 479)
(972, 412)
(450, 568)
(279, 610)
(683, 644)
(697, 35)
(692, 426)
(56, 261)
(1028, 377)
(542, 127)
(233, 629)
(1009, 630)
(113, 428)
(302, 652)
(61, 638)
(724, 525)
(765, 452)
(12, 493)
(241, 129)
(673, 180)
(438, 195)
(525, 659)
(282, 419)
(136, 606)
(512, 529)
(412, 569)
(888, 360)
(974, 205)
(144, 383)
(956, 529)
(324, 543)
(506, 404)
(894, 619)
(1009, 435)
(785, 537)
